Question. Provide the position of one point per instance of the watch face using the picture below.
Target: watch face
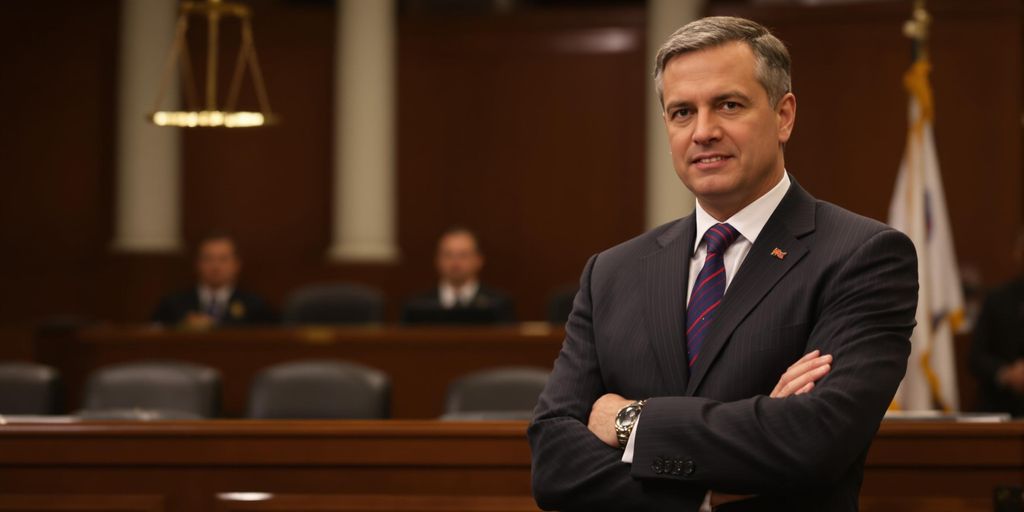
(627, 416)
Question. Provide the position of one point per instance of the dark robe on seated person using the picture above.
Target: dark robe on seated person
(488, 306)
(243, 308)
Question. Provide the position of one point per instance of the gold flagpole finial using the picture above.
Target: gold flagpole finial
(916, 28)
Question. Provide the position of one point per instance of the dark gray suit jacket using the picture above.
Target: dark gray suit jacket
(847, 285)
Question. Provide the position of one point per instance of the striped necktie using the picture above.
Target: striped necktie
(708, 289)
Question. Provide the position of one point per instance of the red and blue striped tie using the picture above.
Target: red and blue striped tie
(708, 289)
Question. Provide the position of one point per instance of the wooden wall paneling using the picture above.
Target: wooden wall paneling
(56, 154)
(528, 126)
(528, 129)
(848, 64)
(270, 187)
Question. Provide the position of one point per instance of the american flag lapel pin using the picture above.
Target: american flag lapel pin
(778, 253)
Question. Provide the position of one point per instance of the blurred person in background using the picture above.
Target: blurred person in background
(997, 350)
(459, 296)
(215, 300)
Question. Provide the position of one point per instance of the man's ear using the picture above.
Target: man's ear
(786, 112)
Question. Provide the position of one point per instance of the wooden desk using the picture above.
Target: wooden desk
(315, 465)
(941, 466)
(421, 361)
(414, 466)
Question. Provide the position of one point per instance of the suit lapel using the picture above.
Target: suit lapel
(761, 270)
(665, 273)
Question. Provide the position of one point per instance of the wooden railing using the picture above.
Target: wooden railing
(412, 466)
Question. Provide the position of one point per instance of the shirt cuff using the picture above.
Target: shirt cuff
(627, 454)
(706, 506)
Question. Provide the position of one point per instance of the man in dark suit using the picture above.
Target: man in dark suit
(215, 300)
(667, 392)
(459, 296)
(997, 347)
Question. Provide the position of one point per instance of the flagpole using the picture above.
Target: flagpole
(916, 29)
(918, 208)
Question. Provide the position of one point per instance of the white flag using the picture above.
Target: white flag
(918, 209)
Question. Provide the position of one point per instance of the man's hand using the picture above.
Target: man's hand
(798, 379)
(1012, 376)
(602, 417)
(198, 321)
(801, 376)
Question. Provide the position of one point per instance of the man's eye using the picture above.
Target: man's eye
(683, 112)
(730, 105)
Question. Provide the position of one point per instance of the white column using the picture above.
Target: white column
(148, 157)
(364, 137)
(666, 197)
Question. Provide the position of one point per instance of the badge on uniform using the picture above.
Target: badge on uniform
(237, 309)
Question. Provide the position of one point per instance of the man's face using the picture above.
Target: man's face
(724, 133)
(458, 259)
(217, 263)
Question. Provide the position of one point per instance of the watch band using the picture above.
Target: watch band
(624, 430)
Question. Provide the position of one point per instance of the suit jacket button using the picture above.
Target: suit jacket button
(689, 467)
(677, 467)
(658, 466)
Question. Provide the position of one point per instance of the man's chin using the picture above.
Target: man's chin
(712, 188)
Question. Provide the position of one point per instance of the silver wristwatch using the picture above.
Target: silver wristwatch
(625, 420)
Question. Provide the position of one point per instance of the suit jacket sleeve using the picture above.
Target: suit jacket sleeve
(762, 445)
(572, 468)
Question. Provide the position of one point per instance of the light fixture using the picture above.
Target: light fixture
(211, 114)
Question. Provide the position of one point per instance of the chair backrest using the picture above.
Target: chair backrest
(498, 393)
(29, 388)
(136, 414)
(341, 303)
(560, 304)
(316, 389)
(176, 388)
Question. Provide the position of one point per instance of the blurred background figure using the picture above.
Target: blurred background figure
(215, 300)
(459, 296)
(997, 352)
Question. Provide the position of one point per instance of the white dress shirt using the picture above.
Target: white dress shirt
(748, 222)
(451, 296)
(218, 296)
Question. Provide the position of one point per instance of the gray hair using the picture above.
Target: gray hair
(770, 54)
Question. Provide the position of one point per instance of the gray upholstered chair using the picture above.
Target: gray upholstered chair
(136, 414)
(340, 303)
(152, 390)
(29, 388)
(320, 389)
(497, 394)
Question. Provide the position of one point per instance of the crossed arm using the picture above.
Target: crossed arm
(751, 446)
(798, 379)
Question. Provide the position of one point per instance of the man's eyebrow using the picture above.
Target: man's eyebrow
(732, 95)
(677, 104)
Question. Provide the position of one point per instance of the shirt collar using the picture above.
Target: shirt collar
(208, 294)
(751, 219)
(462, 294)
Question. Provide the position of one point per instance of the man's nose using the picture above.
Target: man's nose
(707, 129)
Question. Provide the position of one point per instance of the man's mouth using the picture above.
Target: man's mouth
(710, 159)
